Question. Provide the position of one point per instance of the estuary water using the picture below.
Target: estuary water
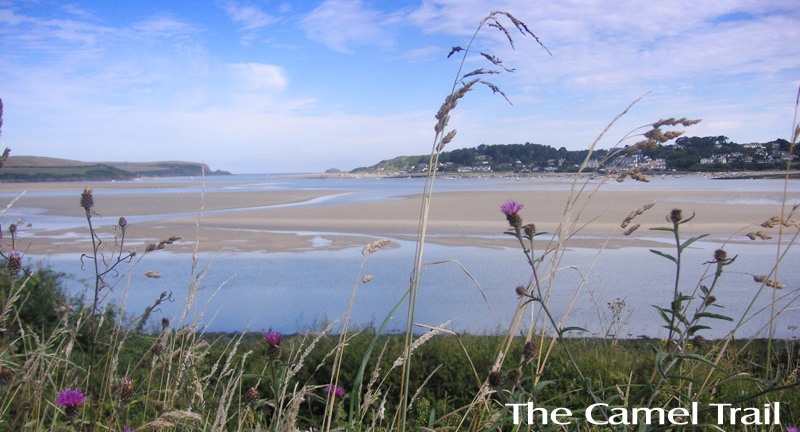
(609, 294)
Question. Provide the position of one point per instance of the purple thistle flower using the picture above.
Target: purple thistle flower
(338, 391)
(127, 429)
(792, 429)
(70, 398)
(15, 254)
(511, 207)
(273, 338)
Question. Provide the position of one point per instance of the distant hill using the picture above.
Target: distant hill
(685, 154)
(35, 168)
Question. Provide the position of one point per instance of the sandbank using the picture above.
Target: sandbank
(234, 221)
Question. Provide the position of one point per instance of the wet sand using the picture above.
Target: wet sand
(456, 218)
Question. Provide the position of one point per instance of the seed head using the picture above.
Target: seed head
(164, 323)
(122, 222)
(710, 299)
(529, 351)
(720, 255)
(631, 229)
(87, 201)
(496, 378)
(513, 375)
(158, 349)
(520, 290)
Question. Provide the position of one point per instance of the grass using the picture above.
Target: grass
(85, 364)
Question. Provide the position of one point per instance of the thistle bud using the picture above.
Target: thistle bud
(699, 341)
(14, 262)
(126, 392)
(530, 229)
(122, 222)
(676, 215)
(251, 397)
(6, 376)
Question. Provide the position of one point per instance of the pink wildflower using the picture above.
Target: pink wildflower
(273, 338)
(510, 208)
(336, 390)
(68, 398)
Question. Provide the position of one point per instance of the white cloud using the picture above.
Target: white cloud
(260, 77)
(248, 17)
(163, 26)
(341, 24)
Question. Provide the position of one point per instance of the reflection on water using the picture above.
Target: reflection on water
(292, 292)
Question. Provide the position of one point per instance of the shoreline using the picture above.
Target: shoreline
(716, 175)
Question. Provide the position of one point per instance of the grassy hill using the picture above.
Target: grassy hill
(35, 168)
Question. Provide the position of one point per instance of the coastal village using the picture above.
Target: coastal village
(723, 156)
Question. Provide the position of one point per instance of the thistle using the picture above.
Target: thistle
(529, 351)
(511, 209)
(126, 392)
(273, 340)
(14, 262)
(70, 400)
(334, 390)
(87, 201)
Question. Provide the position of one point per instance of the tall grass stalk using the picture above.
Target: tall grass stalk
(795, 135)
(439, 141)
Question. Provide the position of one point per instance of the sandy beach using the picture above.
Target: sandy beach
(456, 218)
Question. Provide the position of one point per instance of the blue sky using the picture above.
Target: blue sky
(284, 86)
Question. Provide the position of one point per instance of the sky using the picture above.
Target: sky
(272, 86)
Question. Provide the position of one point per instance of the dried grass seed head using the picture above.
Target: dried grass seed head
(630, 230)
(375, 246)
